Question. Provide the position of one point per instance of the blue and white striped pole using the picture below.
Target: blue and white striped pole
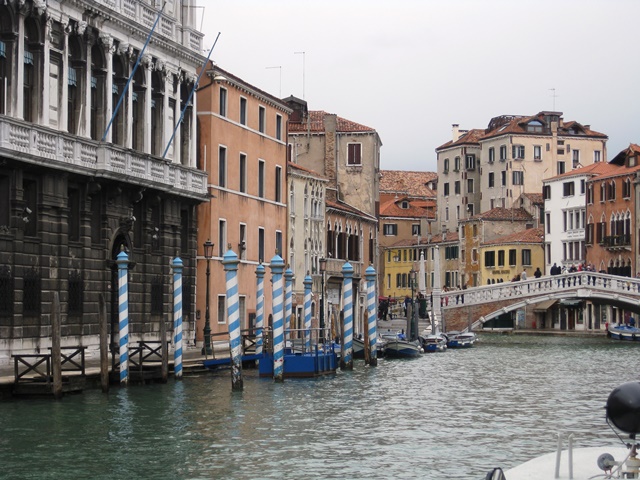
(259, 308)
(277, 267)
(308, 282)
(177, 317)
(123, 315)
(346, 358)
(370, 276)
(230, 262)
(288, 303)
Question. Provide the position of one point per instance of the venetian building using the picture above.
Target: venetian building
(243, 147)
(347, 154)
(88, 168)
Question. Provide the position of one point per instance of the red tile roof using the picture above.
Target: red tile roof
(315, 123)
(532, 235)
(347, 209)
(450, 237)
(503, 214)
(471, 137)
(408, 182)
(296, 166)
(535, 198)
(595, 169)
(392, 208)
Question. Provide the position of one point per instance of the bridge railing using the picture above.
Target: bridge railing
(538, 286)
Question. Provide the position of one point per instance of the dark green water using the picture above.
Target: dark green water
(445, 415)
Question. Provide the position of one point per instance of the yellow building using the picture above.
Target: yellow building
(503, 258)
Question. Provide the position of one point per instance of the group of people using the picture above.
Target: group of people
(579, 267)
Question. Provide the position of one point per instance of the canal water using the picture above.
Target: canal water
(445, 415)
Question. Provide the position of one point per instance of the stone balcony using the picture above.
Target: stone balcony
(50, 148)
(143, 13)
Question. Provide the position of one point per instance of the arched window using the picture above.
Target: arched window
(98, 94)
(75, 87)
(120, 77)
(157, 113)
(32, 62)
(6, 57)
(185, 126)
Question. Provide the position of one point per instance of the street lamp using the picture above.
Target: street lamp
(323, 268)
(208, 253)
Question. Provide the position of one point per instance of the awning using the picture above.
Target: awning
(566, 302)
(544, 306)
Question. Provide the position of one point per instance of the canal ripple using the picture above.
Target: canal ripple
(450, 415)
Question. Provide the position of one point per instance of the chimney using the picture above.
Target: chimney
(456, 131)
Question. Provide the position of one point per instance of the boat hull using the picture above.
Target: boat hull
(624, 332)
(402, 349)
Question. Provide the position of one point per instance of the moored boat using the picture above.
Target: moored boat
(397, 347)
(434, 343)
(456, 339)
(623, 332)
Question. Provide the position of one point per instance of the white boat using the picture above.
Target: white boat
(607, 462)
(396, 346)
(434, 343)
(456, 339)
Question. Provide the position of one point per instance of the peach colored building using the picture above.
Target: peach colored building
(242, 147)
(611, 215)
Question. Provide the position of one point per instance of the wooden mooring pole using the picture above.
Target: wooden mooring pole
(56, 357)
(104, 343)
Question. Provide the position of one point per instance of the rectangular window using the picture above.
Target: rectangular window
(492, 154)
(560, 168)
(512, 257)
(490, 259)
(279, 243)
(517, 178)
(470, 162)
(243, 111)
(456, 188)
(279, 127)
(222, 308)
(456, 164)
(242, 181)
(491, 180)
(546, 192)
(503, 153)
(278, 182)
(518, 152)
(354, 154)
(222, 166)
(261, 167)
(261, 245)
(222, 237)
(390, 229)
(596, 156)
(242, 241)
(501, 258)
(548, 222)
(446, 190)
(470, 185)
(262, 119)
(537, 152)
(526, 257)
(223, 102)
(576, 158)
(583, 186)
(415, 229)
(568, 189)
(445, 167)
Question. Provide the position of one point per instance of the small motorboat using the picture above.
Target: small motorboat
(434, 343)
(623, 332)
(396, 345)
(456, 339)
(614, 461)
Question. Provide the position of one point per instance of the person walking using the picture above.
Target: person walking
(537, 273)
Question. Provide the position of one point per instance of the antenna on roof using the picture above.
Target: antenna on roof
(554, 98)
(303, 57)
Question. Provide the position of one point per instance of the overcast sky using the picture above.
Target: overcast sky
(411, 68)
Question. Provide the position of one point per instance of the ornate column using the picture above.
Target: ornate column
(147, 63)
(177, 140)
(46, 73)
(17, 99)
(64, 99)
(192, 130)
(109, 50)
(168, 117)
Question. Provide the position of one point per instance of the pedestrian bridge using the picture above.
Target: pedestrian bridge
(471, 308)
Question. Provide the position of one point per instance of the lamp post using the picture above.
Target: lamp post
(323, 268)
(208, 253)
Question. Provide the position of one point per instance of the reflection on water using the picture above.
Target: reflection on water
(444, 415)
